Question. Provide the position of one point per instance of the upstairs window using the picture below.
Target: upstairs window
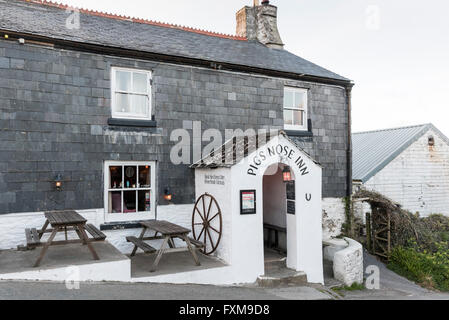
(295, 109)
(131, 94)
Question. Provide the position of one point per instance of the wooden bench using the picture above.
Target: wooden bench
(141, 244)
(95, 232)
(196, 243)
(32, 237)
(276, 229)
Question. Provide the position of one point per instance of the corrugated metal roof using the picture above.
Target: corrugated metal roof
(373, 150)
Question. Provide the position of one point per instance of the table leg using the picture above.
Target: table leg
(192, 250)
(45, 248)
(80, 236)
(142, 234)
(159, 254)
(44, 228)
(171, 243)
(86, 239)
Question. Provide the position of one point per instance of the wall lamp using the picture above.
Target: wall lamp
(286, 174)
(167, 194)
(58, 182)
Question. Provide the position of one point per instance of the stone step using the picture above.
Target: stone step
(285, 278)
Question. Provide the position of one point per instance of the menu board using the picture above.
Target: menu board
(248, 202)
(291, 207)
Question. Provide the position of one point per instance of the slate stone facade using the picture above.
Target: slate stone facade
(55, 106)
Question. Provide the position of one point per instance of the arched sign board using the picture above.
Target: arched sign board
(242, 245)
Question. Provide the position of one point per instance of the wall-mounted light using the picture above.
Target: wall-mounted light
(167, 194)
(286, 174)
(58, 182)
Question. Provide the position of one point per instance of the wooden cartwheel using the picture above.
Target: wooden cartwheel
(207, 223)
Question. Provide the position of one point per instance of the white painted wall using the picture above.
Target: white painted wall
(334, 215)
(274, 203)
(222, 194)
(304, 230)
(418, 178)
(12, 226)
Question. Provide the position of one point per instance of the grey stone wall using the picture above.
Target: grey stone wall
(54, 107)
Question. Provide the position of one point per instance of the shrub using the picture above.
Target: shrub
(429, 269)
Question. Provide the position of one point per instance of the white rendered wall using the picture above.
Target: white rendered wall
(12, 226)
(418, 178)
(334, 215)
(304, 229)
(274, 205)
(221, 192)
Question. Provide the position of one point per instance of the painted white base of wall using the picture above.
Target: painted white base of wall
(106, 271)
(12, 226)
(334, 215)
(215, 276)
(12, 234)
(120, 271)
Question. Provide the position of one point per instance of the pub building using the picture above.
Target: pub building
(90, 102)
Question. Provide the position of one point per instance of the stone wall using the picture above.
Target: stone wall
(54, 110)
(348, 263)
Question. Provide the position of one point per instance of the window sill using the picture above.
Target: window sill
(299, 133)
(108, 226)
(132, 123)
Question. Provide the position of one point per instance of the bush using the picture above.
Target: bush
(429, 269)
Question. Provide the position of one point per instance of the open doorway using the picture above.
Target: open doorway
(278, 193)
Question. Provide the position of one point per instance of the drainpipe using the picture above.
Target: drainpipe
(349, 161)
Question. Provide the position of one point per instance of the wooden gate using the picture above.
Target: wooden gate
(378, 232)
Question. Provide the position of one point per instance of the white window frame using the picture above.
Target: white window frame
(304, 127)
(128, 115)
(132, 216)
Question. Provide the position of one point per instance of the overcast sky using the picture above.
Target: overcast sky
(396, 51)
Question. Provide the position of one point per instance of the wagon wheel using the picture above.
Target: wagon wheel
(207, 223)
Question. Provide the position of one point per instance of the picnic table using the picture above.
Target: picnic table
(63, 221)
(168, 232)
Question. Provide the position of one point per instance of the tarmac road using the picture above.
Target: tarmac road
(118, 291)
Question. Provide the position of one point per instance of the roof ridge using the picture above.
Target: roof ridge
(396, 128)
(135, 19)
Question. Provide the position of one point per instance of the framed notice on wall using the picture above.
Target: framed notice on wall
(248, 202)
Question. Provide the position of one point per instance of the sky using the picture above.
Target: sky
(396, 52)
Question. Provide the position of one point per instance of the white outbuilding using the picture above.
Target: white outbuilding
(409, 165)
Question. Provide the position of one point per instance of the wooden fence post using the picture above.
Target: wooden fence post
(368, 231)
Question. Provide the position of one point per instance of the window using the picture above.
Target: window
(295, 109)
(131, 94)
(129, 190)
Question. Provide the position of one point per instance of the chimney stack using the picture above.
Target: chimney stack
(259, 22)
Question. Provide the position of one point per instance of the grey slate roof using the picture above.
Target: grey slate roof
(43, 20)
(234, 150)
(373, 150)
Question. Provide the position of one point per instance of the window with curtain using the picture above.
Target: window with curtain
(131, 94)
